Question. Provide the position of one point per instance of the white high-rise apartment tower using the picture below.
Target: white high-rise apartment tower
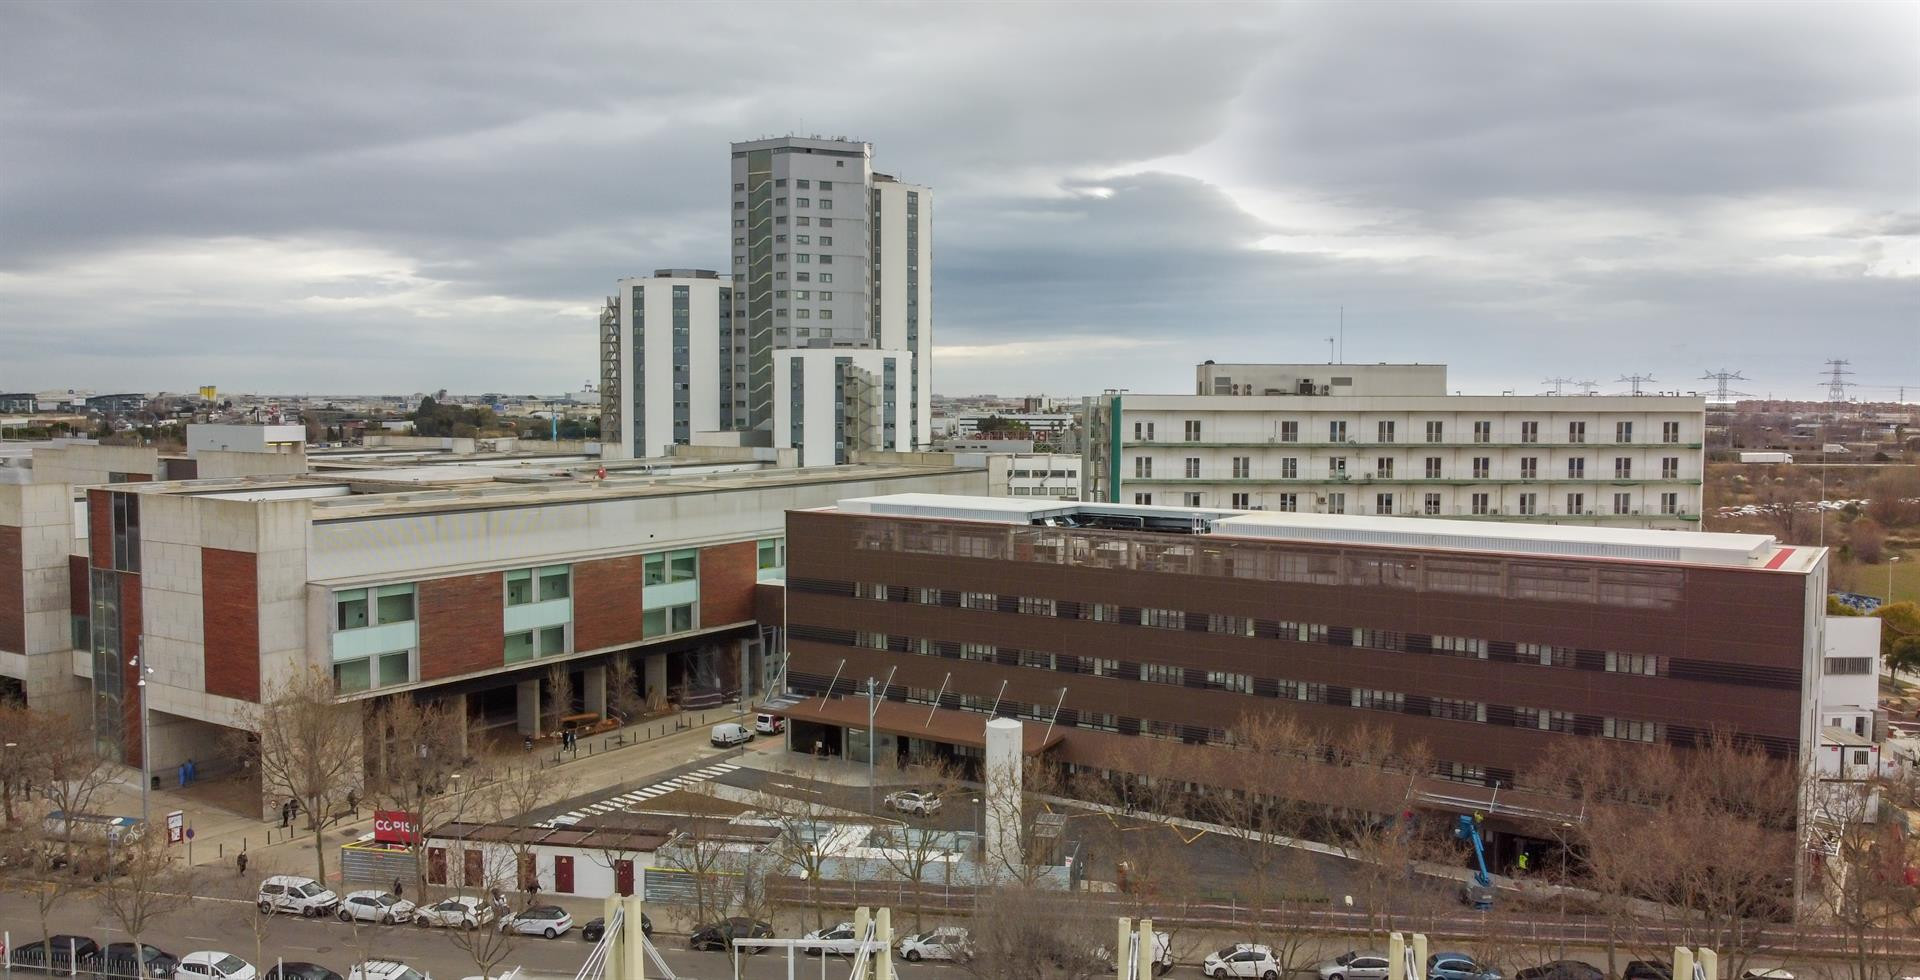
(663, 361)
(826, 254)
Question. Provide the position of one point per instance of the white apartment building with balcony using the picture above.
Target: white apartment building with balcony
(1623, 461)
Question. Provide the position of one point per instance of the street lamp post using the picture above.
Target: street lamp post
(871, 706)
(1890, 561)
(141, 672)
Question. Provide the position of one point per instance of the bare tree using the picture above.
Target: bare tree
(309, 747)
(419, 748)
(1858, 881)
(709, 855)
(71, 775)
(21, 732)
(518, 784)
(803, 822)
(919, 854)
(1023, 933)
(145, 883)
(623, 690)
(39, 868)
(488, 943)
(559, 694)
(1256, 796)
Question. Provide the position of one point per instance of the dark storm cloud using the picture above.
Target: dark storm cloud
(271, 191)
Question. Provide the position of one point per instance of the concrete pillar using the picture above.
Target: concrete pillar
(528, 692)
(1002, 775)
(656, 677)
(593, 689)
(457, 707)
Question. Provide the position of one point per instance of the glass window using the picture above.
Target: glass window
(519, 647)
(681, 618)
(773, 552)
(395, 604)
(653, 570)
(351, 608)
(684, 566)
(350, 676)
(520, 587)
(556, 582)
(395, 668)
(553, 640)
(653, 622)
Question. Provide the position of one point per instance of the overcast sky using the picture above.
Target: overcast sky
(390, 197)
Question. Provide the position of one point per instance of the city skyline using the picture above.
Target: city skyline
(1121, 197)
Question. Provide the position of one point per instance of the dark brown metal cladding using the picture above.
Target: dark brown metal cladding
(1723, 620)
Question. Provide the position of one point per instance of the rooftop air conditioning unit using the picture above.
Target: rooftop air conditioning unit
(1326, 389)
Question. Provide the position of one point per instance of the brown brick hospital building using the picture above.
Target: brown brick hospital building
(1105, 624)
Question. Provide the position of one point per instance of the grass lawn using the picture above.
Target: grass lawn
(1906, 578)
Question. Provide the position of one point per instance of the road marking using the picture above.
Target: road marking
(203, 939)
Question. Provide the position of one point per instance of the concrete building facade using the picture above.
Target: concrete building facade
(1623, 461)
(831, 403)
(669, 369)
(436, 583)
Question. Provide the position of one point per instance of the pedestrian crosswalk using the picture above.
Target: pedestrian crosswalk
(633, 800)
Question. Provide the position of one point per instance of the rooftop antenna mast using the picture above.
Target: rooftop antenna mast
(1837, 383)
(1722, 380)
(1343, 335)
(1636, 380)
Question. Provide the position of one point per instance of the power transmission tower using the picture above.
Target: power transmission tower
(1837, 383)
(1722, 379)
(1587, 387)
(1636, 380)
(1559, 385)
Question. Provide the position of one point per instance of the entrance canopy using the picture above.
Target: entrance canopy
(948, 725)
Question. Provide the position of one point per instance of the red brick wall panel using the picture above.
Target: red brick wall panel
(79, 586)
(100, 528)
(462, 627)
(230, 617)
(727, 577)
(606, 602)
(13, 593)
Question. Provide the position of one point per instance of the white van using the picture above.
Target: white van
(766, 724)
(731, 734)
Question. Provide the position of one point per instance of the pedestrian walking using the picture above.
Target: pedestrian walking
(398, 888)
(286, 814)
(1523, 861)
(353, 803)
(240, 861)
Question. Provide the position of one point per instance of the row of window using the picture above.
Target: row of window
(1474, 648)
(1383, 468)
(1193, 678)
(1386, 431)
(780, 219)
(1478, 504)
(799, 183)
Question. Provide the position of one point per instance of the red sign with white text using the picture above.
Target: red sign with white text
(394, 827)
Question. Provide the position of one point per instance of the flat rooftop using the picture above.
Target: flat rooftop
(392, 491)
(1759, 551)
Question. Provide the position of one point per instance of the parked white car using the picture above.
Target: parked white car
(917, 802)
(839, 940)
(944, 943)
(292, 893)
(541, 920)
(1242, 960)
(375, 906)
(383, 970)
(1162, 953)
(1354, 965)
(212, 964)
(462, 912)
